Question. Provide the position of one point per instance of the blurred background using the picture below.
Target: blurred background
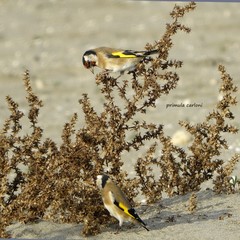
(49, 37)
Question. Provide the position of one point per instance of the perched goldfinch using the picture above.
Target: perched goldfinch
(116, 202)
(114, 60)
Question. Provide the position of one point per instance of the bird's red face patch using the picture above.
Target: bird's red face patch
(89, 64)
(89, 59)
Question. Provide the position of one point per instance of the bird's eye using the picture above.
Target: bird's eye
(92, 64)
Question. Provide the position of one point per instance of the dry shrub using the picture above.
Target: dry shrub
(59, 181)
(192, 203)
(180, 172)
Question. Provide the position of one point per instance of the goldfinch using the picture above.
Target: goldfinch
(116, 202)
(114, 60)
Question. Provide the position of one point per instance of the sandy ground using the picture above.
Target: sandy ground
(216, 217)
(49, 38)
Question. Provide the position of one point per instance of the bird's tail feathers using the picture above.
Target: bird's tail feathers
(137, 218)
(151, 52)
(144, 226)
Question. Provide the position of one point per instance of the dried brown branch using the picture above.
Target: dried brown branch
(58, 182)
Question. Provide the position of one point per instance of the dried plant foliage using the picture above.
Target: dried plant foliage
(192, 205)
(58, 183)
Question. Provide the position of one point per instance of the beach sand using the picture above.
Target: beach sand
(216, 217)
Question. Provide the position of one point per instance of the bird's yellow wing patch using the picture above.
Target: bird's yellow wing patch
(121, 54)
(125, 209)
(130, 212)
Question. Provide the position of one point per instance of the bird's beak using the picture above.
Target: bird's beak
(92, 70)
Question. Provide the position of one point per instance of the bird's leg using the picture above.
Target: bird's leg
(118, 229)
(106, 71)
(133, 73)
(121, 73)
(147, 59)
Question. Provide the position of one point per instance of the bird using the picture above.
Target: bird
(116, 202)
(113, 59)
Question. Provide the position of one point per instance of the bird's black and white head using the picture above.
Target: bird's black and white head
(101, 181)
(90, 60)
